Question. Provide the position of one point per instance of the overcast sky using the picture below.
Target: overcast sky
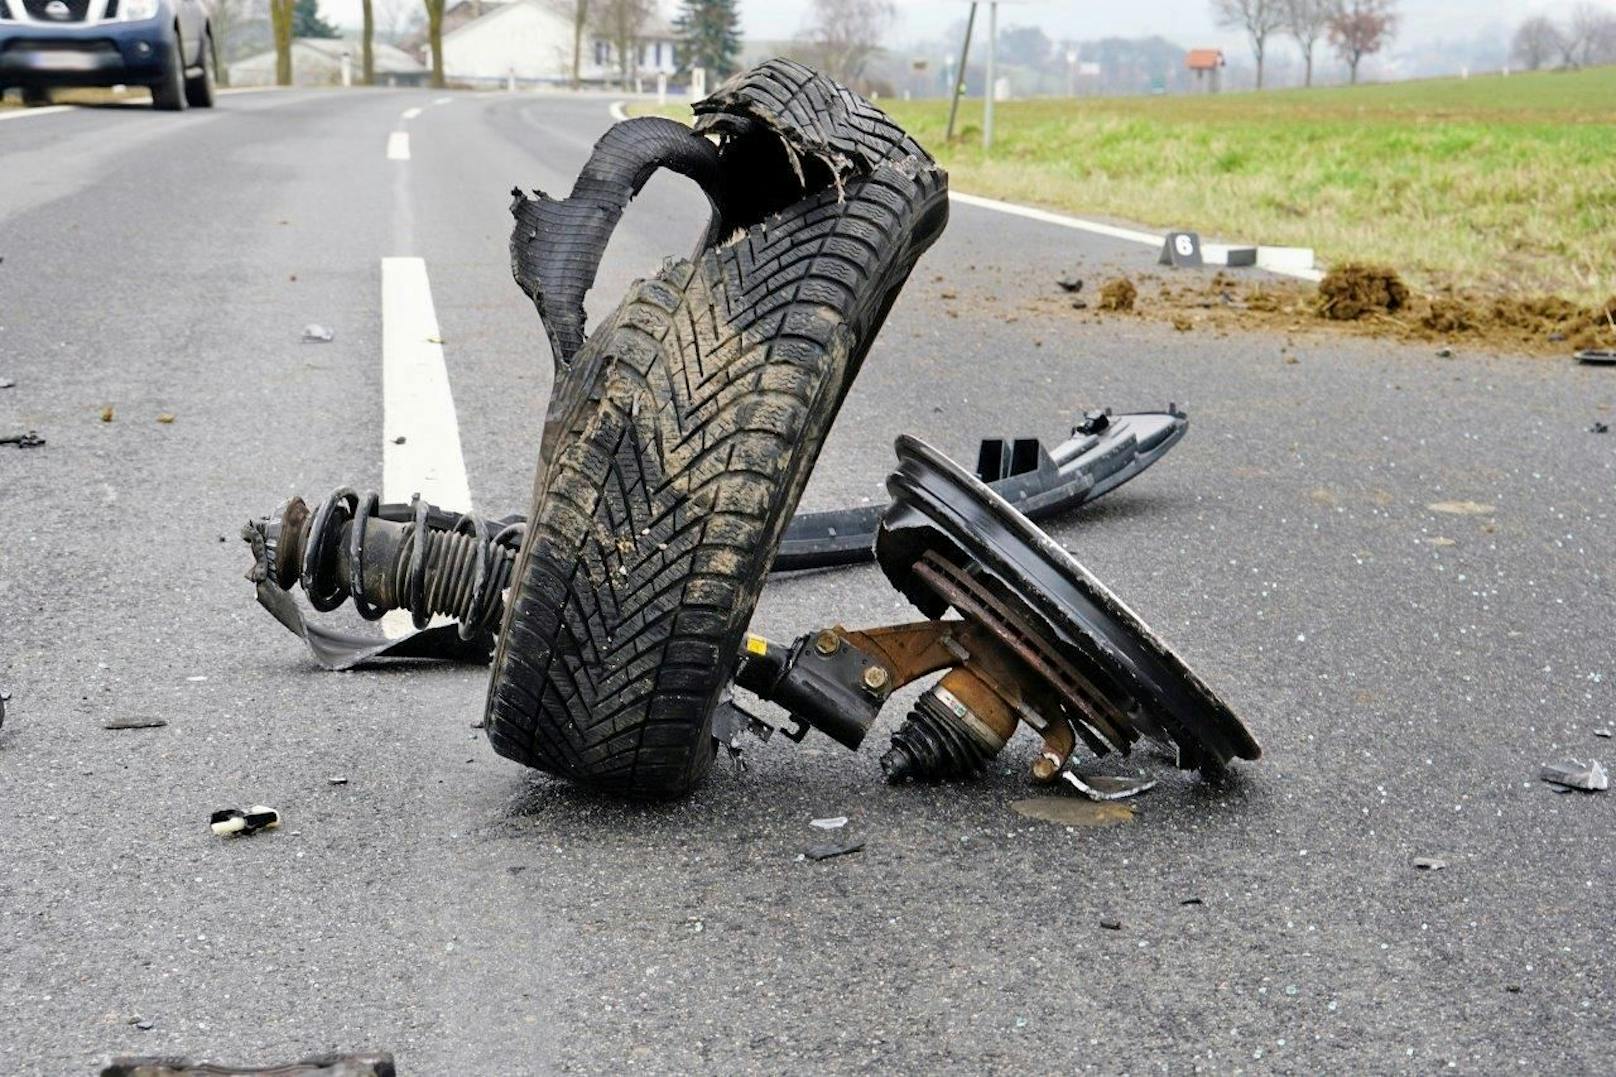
(1185, 22)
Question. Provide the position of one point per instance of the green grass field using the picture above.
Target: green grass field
(1502, 184)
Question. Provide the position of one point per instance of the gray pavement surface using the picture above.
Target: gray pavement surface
(1407, 670)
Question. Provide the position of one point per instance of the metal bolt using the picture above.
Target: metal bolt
(875, 678)
(1043, 769)
(827, 643)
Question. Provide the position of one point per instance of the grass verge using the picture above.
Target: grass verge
(1506, 185)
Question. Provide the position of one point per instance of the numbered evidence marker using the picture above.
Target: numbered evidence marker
(1182, 249)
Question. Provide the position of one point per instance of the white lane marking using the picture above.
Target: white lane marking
(398, 146)
(1130, 235)
(411, 113)
(417, 404)
(619, 113)
(24, 113)
(442, 100)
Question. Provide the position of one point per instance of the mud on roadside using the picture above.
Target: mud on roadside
(1363, 300)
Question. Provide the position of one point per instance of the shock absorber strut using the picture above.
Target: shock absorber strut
(413, 557)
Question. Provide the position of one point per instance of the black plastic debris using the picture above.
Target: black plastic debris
(1103, 452)
(1599, 427)
(7, 383)
(363, 1064)
(1070, 284)
(1587, 777)
(1598, 732)
(233, 821)
(314, 333)
(1111, 924)
(27, 440)
(1597, 356)
(826, 851)
(1429, 863)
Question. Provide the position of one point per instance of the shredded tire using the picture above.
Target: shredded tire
(681, 433)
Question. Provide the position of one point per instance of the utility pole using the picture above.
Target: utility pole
(959, 82)
(993, 47)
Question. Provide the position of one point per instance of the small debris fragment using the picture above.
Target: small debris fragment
(235, 821)
(1192, 901)
(1589, 777)
(825, 852)
(1599, 427)
(166, 418)
(145, 1024)
(1444, 353)
(1593, 356)
(1068, 811)
(1463, 508)
(7, 383)
(1118, 295)
(337, 779)
(107, 414)
(318, 334)
(134, 723)
(1427, 863)
(29, 440)
(1111, 925)
(834, 822)
(1080, 304)
(1182, 324)
(399, 440)
(1070, 284)
(1597, 732)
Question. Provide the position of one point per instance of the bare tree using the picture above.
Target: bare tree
(1536, 42)
(846, 33)
(1260, 19)
(434, 37)
(1593, 34)
(230, 20)
(280, 19)
(368, 45)
(621, 22)
(1360, 28)
(577, 12)
(1307, 21)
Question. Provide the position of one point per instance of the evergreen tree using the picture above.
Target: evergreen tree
(710, 33)
(306, 21)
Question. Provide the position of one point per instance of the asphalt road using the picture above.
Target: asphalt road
(1406, 670)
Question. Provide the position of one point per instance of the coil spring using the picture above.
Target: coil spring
(461, 572)
(933, 743)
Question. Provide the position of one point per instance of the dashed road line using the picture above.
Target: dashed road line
(411, 113)
(398, 146)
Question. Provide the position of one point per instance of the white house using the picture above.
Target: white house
(532, 41)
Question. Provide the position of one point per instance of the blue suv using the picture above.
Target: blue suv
(164, 44)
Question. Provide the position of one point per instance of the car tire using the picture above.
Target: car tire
(168, 92)
(689, 423)
(35, 96)
(199, 87)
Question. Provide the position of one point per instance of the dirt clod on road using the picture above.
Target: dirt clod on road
(1354, 290)
(1118, 294)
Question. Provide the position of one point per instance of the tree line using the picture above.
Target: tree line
(1586, 38)
(1355, 29)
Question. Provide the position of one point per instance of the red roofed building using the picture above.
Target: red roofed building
(1207, 65)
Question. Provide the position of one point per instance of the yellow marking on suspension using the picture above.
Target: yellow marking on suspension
(757, 644)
